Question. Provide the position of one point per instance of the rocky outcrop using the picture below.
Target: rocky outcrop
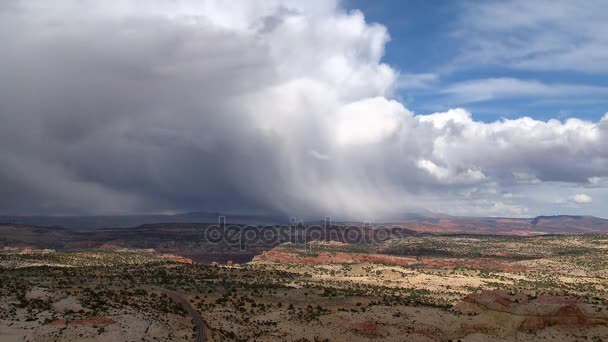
(566, 315)
(176, 258)
(537, 313)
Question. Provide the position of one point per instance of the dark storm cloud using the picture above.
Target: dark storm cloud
(139, 110)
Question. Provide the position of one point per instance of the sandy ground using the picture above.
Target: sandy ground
(403, 323)
(336, 297)
(125, 327)
(121, 325)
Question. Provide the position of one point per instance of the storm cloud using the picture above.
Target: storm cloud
(252, 107)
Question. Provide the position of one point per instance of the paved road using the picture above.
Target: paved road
(198, 320)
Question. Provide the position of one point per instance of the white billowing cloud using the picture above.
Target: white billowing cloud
(433, 169)
(580, 199)
(277, 106)
(369, 121)
(445, 175)
(524, 149)
(456, 116)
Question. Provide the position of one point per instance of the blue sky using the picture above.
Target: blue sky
(548, 57)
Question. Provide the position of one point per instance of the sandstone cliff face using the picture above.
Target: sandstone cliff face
(536, 314)
(278, 255)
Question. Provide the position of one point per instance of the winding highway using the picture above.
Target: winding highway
(198, 320)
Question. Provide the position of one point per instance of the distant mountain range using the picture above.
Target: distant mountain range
(431, 223)
(560, 224)
(127, 221)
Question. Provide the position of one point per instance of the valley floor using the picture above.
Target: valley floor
(430, 288)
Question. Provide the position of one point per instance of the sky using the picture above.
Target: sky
(353, 109)
(498, 59)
